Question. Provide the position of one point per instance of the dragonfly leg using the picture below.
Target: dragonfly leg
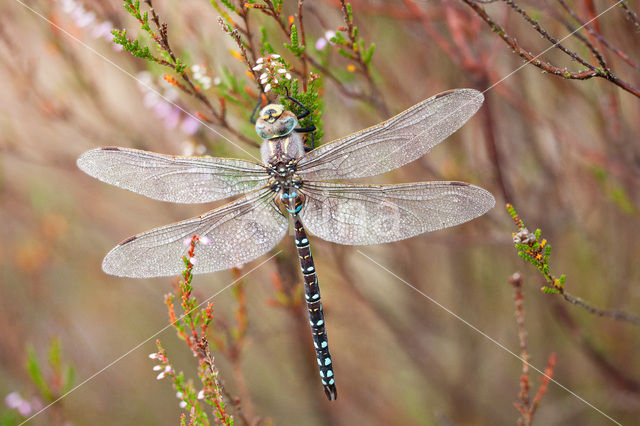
(314, 306)
(311, 129)
(253, 118)
(305, 111)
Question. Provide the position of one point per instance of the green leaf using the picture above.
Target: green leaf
(229, 5)
(35, 373)
(368, 54)
(295, 47)
(68, 376)
(345, 53)
(55, 350)
(265, 46)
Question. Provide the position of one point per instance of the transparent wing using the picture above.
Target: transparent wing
(375, 214)
(173, 178)
(392, 143)
(237, 233)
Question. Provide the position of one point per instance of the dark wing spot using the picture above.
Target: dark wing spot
(127, 241)
(110, 148)
(443, 94)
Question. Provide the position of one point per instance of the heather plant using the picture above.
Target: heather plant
(557, 136)
(49, 381)
(536, 250)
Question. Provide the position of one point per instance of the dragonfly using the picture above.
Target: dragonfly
(299, 183)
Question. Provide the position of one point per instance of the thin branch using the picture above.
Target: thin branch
(598, 36)
(526, 407)
(631, 14)
(585, 74)
(537, 251)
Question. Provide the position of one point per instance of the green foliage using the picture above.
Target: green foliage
(265, 47)
(61, 376)
(133, 46)
(35, 373)
(295, 46)
(367, 54)
(614, 191)
(310, 99)
(138, 49)
(229, 5)
(537, 251)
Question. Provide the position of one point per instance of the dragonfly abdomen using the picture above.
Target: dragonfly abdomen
(314, 306)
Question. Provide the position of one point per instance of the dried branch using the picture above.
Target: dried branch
(631, 15)
(597, 36)
(546, 66)
(526, 407)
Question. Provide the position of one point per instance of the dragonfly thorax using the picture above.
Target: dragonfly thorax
(284, 176)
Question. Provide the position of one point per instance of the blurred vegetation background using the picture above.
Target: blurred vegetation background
(562, 148)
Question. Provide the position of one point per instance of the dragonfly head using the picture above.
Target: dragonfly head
(274, 122)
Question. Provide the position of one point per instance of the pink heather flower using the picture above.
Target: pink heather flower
(84, 18)
(13, 400)
(329, 35)
(267, 88)
(179, 395)
(102, 30)
(204, 240)
(150, 100)
(24, 409)
(201, 394)
(183, 404)
(189, 125)
(323, 41)
(154, 356)
(172, 119)
(192, 260)
(162, 109)
(68, 6)
(16, 402)
(157, 367)
(160, 376)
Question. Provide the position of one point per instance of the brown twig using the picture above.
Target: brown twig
(526, 407)
(219, 117)
(611, 370)
(597, 35)
(631, 14)
(585, 74)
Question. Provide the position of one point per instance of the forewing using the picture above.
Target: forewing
(173, 178)
(392, 143)
(375, 214)
(235, 233)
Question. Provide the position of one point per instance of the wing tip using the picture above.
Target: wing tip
(87, 160)
(467, 91)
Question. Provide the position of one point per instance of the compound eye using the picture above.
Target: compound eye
(288, 124)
